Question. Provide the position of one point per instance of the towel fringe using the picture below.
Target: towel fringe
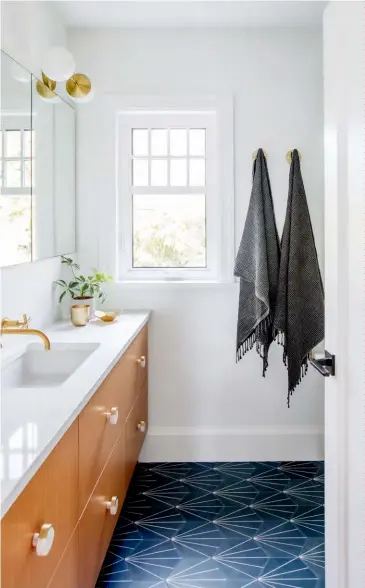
(281, 340)
(265, 327)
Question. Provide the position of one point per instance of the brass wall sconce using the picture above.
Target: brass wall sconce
(46, 87)
(60, 61)
(78, 86)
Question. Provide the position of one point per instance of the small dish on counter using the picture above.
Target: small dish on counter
(107, 316)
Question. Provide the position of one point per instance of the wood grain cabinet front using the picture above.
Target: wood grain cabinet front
(45, 513)
(66, 574)
(100, 516)
(136, 430)
(138, 352)
(102, 420)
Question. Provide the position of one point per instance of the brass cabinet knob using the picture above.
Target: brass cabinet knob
(112, 505)
(113, 415)
(142, 426)
(142, 361)
(43, 541)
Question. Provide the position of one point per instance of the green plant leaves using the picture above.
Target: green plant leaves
(80, 285)
(62, 296)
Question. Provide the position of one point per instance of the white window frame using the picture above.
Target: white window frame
(16, 122)
(164, 118)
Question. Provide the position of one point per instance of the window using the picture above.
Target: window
(167, 187)
(16, 160)
(16, 189)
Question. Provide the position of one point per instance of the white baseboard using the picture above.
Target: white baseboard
(286, 443)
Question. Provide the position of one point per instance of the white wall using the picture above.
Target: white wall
(28, 29)
(197, 391)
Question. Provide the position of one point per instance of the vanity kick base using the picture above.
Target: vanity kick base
(81, 486)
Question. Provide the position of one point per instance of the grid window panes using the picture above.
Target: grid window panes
(168, 191)
(15, 159)
(16, 195)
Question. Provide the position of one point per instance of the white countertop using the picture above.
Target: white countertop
(33, 420)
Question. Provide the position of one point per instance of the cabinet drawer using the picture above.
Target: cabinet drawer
(135, 432)
(50, 497)
(97, 435)
(97, 523)
(139, 350)
(66, 574)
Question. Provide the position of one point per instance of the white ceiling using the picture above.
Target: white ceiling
(134, 13)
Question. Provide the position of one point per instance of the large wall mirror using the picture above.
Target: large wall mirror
(37, 151)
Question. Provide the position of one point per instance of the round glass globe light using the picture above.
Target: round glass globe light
(58, 64)
(19, 73)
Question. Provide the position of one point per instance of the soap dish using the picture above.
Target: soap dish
(107, 316)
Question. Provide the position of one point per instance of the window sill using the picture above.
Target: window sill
(183, 283)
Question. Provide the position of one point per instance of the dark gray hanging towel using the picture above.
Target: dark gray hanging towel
(299, 315)
(257, 266)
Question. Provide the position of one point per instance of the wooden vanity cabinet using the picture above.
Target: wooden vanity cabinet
(75, 488)
(126, 389)
(50, 497)
(135, 430)
(97, 522)
(97, 433)
(66, 574)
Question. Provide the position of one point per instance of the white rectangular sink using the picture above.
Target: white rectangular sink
(38, 368)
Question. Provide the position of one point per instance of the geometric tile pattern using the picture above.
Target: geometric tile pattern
(220, 525)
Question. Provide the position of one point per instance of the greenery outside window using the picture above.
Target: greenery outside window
(15, 190)
(167, 188)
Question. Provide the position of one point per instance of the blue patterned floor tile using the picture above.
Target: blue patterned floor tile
(207, 481)
(301, 469)
(275, 504)
(239, 493)
(239, 470)
(203, 505)
(291, 573)
(197, 573)
(220, 525)
(164, 523)
(313, 555)
(200, 539)
(270, 480)
(306, 491)
(281, 539)
(310, 519)
(241, 557)
(239, 522)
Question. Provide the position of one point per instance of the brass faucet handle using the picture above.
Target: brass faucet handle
(26, 321)
(8, 324)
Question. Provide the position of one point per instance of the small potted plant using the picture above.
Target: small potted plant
(83, 288)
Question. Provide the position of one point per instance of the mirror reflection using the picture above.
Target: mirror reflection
(37, 200)
(16, 163)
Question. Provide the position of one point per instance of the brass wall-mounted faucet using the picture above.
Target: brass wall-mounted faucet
(9, 327)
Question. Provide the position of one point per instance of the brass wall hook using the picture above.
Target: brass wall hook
(254, 155)
(289, 156)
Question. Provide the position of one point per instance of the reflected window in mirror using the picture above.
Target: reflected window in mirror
(16, 193)
(15, 165)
